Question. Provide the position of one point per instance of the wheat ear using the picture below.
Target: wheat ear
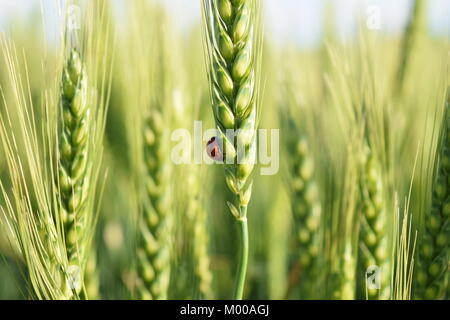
(306, 208)
(233, 41)
(200, 238)
(31, 210)
(373, 237)
(432, 274)
(52, 216)
(154, 252)
(73, 156)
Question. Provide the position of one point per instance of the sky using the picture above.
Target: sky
(298, 21)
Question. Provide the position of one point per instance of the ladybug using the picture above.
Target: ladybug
(213, 150)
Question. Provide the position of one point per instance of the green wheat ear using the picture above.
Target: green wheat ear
(373, 238)
(33, 212)
(233, 50)
(154, 251)
(232, 37)
(51, 159)
(148, 123)
(74, 155)
(432, 276)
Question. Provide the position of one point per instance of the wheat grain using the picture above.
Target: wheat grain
(51, 210)
(148, 124)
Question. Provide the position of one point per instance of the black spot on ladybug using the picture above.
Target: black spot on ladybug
(213, 150)
(211, 140)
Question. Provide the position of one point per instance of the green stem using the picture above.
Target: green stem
(243, 261)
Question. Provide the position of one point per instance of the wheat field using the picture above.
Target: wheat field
(145, 157)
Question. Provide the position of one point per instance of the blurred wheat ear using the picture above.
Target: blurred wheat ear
(149, 131)
(303, 190)
(374, 240)
(73, 156)
(432, 274)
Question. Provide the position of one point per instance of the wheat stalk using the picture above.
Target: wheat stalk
(432, 275)
(233, 49)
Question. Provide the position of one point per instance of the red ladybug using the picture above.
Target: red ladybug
(213, 150)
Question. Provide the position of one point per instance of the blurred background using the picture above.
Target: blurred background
(298, 21)
(330, 72)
